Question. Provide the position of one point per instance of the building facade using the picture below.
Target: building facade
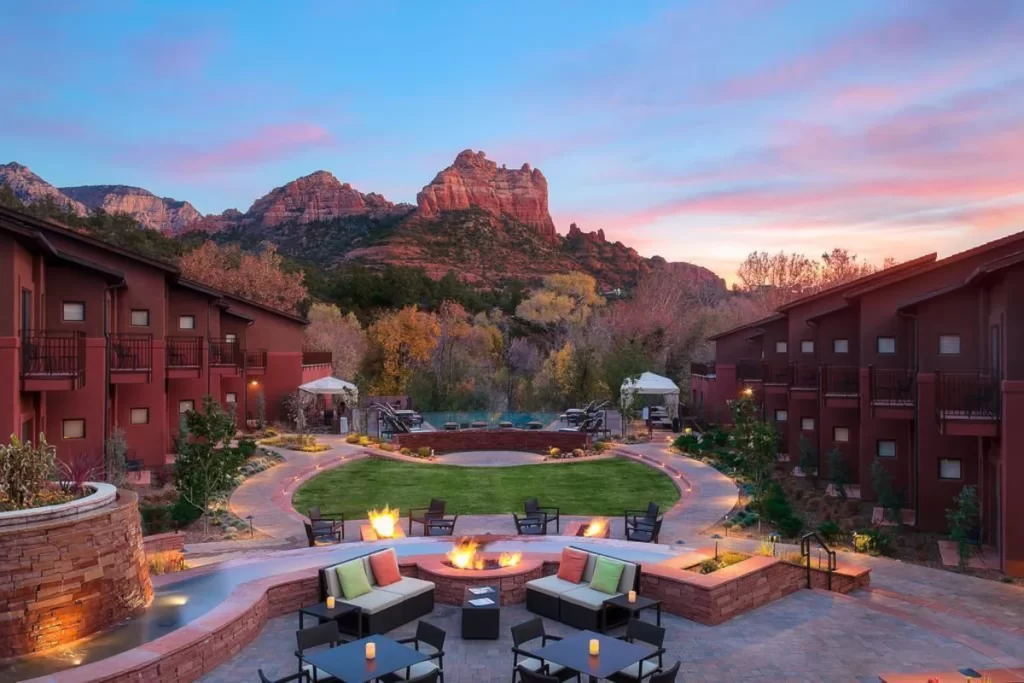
(94, 337)
(919, 367)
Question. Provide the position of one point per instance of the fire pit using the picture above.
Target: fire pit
(468, 566)
(465, 556)
(595, 528)
(383, 524)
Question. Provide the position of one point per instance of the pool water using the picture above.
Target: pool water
(437, 420)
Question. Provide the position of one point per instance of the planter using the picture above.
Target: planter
(103, 495)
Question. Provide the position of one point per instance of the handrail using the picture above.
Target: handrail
(805, 551)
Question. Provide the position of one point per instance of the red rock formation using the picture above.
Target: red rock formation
(30, 188)
(157, 213)
(475, 181)
(316, 197)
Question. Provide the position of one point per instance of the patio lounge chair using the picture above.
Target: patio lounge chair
(307, 639)
(531, 526)
(648, 634)
(329, 523)
(420, 515)
(431, 636)
(530, 632)
(324, 537)
(644, 534)
(440, 526)
(534, 509)
(641, 518)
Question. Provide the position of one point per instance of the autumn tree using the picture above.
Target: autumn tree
(565, 298)
(342, 335)
(402, 340)
(258, 276)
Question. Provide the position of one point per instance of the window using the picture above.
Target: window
(781, 347)
(840, 345)
(841, 434)
(74, 311)
(781, 415)
(949, 468)
(949, 344)
(807, 424)
(231, 397)
(186, 322)
(73, 429)
(887, 344)
(886, 449)
(186, 405)
(230, 337)
(140, 317)
(140, 416)
(807, 346)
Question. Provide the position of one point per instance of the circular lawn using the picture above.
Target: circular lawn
(598, 487)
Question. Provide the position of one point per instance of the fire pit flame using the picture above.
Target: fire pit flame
(465, 555)
(596, 527)
(384, 521)
(509, 559)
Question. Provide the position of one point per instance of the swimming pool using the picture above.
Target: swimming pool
(437, 420)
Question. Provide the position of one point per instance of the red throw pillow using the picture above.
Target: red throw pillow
(385, 568)
(572, 565)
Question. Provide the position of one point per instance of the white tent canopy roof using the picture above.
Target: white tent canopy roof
(651, 384)
(330, 386)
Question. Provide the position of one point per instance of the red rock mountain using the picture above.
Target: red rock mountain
(476, 181)
(30, 188)
(157, 213)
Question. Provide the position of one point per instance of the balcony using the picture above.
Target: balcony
(749, 371)
(840, 386)
(226, 357)
(52, 361)
(256, 362)
(184, 357)
(892, 392)
(968, 403)
(130, 358)
(803, 380)
(702, 369)
(316, 358)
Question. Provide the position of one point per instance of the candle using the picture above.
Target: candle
(330, 602)
(371, 650)
(595, 646)
(631, 596)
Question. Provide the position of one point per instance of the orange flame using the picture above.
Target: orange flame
(463, 555)
(596, 527)
(509, 559)
(384, 521)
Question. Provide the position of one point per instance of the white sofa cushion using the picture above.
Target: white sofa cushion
(408, 587)
(641, 669)
(333, 584)
(552, 585)
(586, 596)
(416, 670)
(376, 600)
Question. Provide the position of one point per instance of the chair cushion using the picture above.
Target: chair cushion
(588, 571)
(385, 567)
(416, 670)
(572, 565)
(552, 585)
(587, 597)
(607, 573)
(352, 576)
(408, 587)
(628, 580)
(333, 584)
(375, 601)
(641, 669)
(535, 665)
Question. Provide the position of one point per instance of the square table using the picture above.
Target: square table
(634, 608)
(483, 621)
(574, 652)
(348, 663)
(322, 614)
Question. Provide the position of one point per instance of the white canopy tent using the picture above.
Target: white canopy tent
(650, 384)
(331, 386)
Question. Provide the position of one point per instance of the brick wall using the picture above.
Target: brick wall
(66, 579)
(158, 543)
(492, 440)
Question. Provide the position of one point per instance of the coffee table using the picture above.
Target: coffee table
(481, 622)
(323, 614)
(634, 608)
(574, 652)
(348, 662)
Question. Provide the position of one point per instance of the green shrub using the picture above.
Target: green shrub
(830, 531)
(24, 470)
(873, 541)
(184, 513)
(386, 447)
(707, 566)
(790, 526)
(352, 438)
(156, 518)
(405, 451)
(601, 446)
(687, 442)
(247, 447)
(424, 452)
(750, 520)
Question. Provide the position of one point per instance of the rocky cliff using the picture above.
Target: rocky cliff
(157, 213)
(474, 181)
(30, 188)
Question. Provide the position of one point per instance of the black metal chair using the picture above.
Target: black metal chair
(430, 677)
(325, 537)
(666, 676)
(421, 515)
(535, 509)
(440, 526)
(301, 677)
(641, 518)
(308, 638)
(527, 632)
(650, 634)
(531, 526)
(527, 676)
(426, 634)
(328, 523)
(644, 534)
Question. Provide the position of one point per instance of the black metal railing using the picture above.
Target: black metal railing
(702, 369)
(316, 358)
(130, 352)
(256, 359)
(226, 353)
(749, 370)
(775, 373)
(840, 380)
(893, 386)
(803, 376)
(967, 395)
(184, 352)
(53, 354)
(805, 552)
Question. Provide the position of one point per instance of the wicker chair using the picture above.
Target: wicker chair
(649, 634)
(429, 635)
(527, 632)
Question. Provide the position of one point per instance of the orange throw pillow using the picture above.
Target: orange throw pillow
(385, 568)
(572, 565)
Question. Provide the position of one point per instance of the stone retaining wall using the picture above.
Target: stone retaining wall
(65, 579)
(159, 543)
(492, 440)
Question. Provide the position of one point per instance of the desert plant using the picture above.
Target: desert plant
(830, 531)
(601, 446)
(424, 452)
(964, 522)
(78, 469)
(554, 452)
(888, 498)
(405, 451)
(166, 561)
(24, 469)
(352, 438)
(707, 566)
(838, 472)
(687, 443)
(578, 453)
(261, 410)
(116, 456)
(386, 447)
(873, 541)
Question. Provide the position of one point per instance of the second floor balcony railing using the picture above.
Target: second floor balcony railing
(803, 376)
(840, 380)
(225, 353)
(892, 387)
(775, 373)
(256, 359)
(46, 354)
(702, 369)
(967, 396)
(130, 352)
(749, 370)
(184, 353)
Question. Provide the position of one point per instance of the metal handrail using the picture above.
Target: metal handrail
(892, 385)
(805, 552)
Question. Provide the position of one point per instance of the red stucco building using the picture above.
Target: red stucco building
(93, 337)
(919, 367)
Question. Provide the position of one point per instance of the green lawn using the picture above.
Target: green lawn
(600, 487)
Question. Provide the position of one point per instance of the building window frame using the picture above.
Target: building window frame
(784, 413)
(878, 448)
(781, 347)
(138, 416)
(64, 311)
(804, 421)
(836, 434)
(949, 338)
(188, 318)
(185, 405)
(840, 345)
(136, 311)
(230, 337)
(231, 397)
(806, 346)
(878, 345)
(959, 469)
(72, 422)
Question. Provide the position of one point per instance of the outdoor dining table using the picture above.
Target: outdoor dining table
(348, 663)
(614, 655)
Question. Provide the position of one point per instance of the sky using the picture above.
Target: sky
(697, 130)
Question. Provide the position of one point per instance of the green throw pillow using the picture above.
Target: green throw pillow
(606, 575)
(352, 576)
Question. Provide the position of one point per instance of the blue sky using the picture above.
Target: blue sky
(697, 130)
